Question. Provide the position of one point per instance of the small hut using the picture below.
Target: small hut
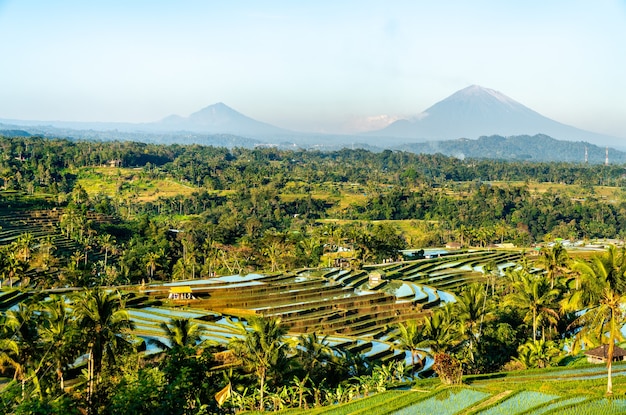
(599, 354)
(376, 278)
(182, 292)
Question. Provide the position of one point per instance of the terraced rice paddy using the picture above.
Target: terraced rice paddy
(341, 304)
(448, 402)
(518, 403)
(559, 403)
(596, 407)
(473, 401)
(42, 225)
(360, 316)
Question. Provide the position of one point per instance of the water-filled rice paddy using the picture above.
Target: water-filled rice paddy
(447, 402)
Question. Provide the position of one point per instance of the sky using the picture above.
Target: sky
(323, 66)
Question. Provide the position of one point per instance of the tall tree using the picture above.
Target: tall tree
(441, 329)
(533, 295)
(315, 355)
(152, 261)
(107, 244)
(180, 332)
(472, 308)
(104, 321)
(601, 297)
(412, 337)
(554, 260)
(59, 332)
(261, 348)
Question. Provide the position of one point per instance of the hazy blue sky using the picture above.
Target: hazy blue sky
(313, 66)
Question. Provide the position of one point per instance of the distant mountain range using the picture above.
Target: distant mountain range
(462, 124)
(476, 111)
(217, 119)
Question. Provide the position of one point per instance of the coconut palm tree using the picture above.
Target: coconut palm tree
(553, 260)
(300, 389)
(602, 294)
(272, 250)
(412, 337)
(104, 322)
(10, 352)
(107, 244)
(58, 330)
(314, 354)
(261, 348)
(533, 295)
(441, 329)
(490, 271)
(24, 246)
(180, 332)
(152, 262)
(471, 310)
(75, 259)
(21, 348)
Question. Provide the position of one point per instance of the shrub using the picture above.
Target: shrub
(448, 368)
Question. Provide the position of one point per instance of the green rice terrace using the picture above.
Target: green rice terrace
(343, 304)
(360, 310)
(364, 311)
(547, 391)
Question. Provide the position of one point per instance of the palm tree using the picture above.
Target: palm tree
(602, 294)
(10, 354)
(412, 337)
(533, 295)
(180, 332)
(299, 386)
(537, 353)
(107, 243)
(553, 260)
(471, 309)
(14, 350)
(490, 271)
(75, 259)
(152, 259)
(315, 354)
(261, 348)
(21, 349)
(58, 330)
(464, 233)
(441, 329)
(272, 250)
(14, 266)
(104, 321)
(310, 246)
(24, 246)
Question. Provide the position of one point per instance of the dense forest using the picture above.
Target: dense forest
(92, 223)
(268, 209)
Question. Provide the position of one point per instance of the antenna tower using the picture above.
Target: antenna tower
(606, 161)
(586, 156)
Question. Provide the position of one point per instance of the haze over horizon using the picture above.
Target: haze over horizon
(320, 67)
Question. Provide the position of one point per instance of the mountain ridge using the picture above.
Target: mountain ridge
(477, 111)
(536, 148)
(471, 112)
